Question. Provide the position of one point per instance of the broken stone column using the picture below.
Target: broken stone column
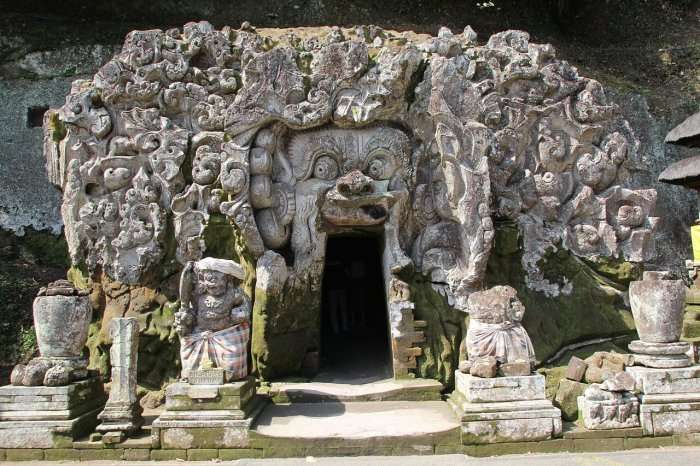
(122, 414)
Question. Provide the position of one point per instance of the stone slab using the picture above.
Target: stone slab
(670, 418)
(30, 414)
(381, 390)
(335, 423)
(75, 389)
(662, 362)
(659, 349)
(665, 381)
(510, 430)
(46, 433)
(500, 389)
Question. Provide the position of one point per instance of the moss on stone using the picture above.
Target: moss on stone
(444, 333)
(594, 308)
(285, 328)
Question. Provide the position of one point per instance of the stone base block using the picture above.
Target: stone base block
(233, 396)
(49, 417)
(500, 389)
(47, 433)
(651, 381)
(619, 411)
(670, 414)
(500, 422)
(207, 416)
(206, 428)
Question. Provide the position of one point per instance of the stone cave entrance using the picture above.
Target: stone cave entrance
(354, 318)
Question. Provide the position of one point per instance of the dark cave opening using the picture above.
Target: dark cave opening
(354, 318)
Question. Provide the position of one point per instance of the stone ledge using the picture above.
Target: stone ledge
(302, 449)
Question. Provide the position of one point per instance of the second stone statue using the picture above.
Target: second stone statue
(213, 321)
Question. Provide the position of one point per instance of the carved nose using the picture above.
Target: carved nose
(354, 183)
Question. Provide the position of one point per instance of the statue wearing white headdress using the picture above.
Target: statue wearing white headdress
(214, 318)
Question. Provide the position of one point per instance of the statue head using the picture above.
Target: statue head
(214, 275)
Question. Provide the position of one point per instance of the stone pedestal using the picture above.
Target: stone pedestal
(207, 416)
(504, 409)
(670, 399)
(661, 355)
(49, 417)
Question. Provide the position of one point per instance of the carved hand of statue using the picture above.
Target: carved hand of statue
(184, 321)
(241, 313)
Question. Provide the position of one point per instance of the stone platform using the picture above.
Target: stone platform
(504, 409)
(670, 399)
(49, 417)
(207, 416)
(420, 424)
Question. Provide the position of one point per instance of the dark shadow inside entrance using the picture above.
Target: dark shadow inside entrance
(354, 320)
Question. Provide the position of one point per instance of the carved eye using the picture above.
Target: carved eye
(377, 169)
(76, 108)
(325, 168)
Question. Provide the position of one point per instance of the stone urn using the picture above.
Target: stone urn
(657, 306)
(62, 315)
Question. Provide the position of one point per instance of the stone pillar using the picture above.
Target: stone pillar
(122, 414)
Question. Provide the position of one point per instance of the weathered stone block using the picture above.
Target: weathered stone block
(566, 398)
(666, 381)
(515, 369)
(168, 455)
(62, 454)
(230, 454)
(111, 454)
(483, 390)
(24, 454)
(202, 454)
(137, 454)
(484, 367)
(576, 369)
(228, 435)
(601, 409)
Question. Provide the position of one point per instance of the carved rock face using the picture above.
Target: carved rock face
(294, 135)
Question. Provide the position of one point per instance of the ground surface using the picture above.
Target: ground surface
(653, 457)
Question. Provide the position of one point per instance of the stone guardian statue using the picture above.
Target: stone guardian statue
(214, 318)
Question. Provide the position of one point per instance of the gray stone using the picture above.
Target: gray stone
(602, 409)
(566, 398)
(662, 362)
(487, 390)
(620, 382)
(57, 375)
(657, 307)
(122, 413)
(576, 369)
(486, 367)
(660, 349)
(516, 368)
(666, 381)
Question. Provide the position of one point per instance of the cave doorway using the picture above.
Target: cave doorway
(354, 318)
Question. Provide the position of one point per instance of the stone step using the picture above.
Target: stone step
(380, 390)
(422, 424)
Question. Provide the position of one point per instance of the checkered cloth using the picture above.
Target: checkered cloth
(227, 349)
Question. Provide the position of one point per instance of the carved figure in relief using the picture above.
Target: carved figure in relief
(214, 319)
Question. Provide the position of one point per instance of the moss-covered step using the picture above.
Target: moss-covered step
(380, 390)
